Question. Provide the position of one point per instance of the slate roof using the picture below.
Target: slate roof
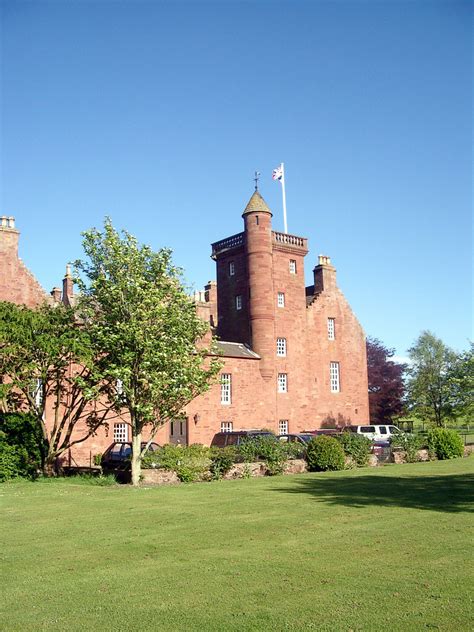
(256, 204)
(236, 350)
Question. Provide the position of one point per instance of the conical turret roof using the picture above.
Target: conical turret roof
(256, 204)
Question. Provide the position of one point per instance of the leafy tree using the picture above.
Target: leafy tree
(386, 383)
(430, 390)
(461, 377)
(145, 329)
(46, 359)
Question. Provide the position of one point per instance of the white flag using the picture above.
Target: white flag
(278, 173)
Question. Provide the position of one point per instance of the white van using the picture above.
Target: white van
(376, 432)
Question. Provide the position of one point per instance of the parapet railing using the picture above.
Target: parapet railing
(227, 243)
(289, 240)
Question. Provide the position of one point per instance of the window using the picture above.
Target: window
(281, 299)
(226, 426)
(281, 347)
(283, 426)
(120, 433)
(238, 302)
(331, 328)
(334, 376)
(231, 268)
(282, 383)
(226, 382)
(292, 266)
(119, 387)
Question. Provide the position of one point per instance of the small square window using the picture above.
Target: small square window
(231, 268)
(292, 266)
(281, 299)
(226, 426)
(281, 347)
(331, 329)
(334, 377)
(238, 302)
(282, 383)
(283, 426)
(120, 433)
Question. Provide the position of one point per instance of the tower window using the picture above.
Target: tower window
(331, 328)
(281, 347)
(292, 266)
(281, 299)
(231, 268)
(226, 383)
(226, 426)
(238, 302)
(334, 377)
(282, 382)
(283, 426)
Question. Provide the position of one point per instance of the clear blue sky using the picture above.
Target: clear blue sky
(158, 113)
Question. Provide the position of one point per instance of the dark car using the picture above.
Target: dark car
(117, 456)
(302, 437)
(236, 437)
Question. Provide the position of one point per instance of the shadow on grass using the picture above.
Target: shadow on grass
(453, 493)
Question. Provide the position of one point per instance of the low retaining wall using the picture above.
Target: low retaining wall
(238, 470)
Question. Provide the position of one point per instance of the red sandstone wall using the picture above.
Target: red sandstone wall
(17, 284)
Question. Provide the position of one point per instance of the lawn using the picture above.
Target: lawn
(373, 549)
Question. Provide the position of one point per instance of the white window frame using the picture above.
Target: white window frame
(232, 268)
(282, 382)
(335, 377)
(281, 347)
(331, 328)
(238, 302)
(281, 299)
(226, 389)
(283, 426)
(120, 432)
(292, 266)
(227, 426)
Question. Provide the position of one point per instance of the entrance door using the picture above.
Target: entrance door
(179, 431)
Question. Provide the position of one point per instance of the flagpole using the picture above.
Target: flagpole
(284, 197)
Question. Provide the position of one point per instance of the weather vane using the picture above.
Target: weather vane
(257, 176)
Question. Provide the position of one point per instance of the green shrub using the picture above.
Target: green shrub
(191, 463)
(13, 462)
(408, 442)
(445, 443)
(356, 446)
(325, 453)
(267, 449)
(222, 459)
(21, 430)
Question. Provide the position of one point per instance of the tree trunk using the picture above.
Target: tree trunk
(49, 467)
(136, 460)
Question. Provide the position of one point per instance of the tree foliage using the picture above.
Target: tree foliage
(461, 377)
(430, 388)
(46, 359)
(146, 330)
(386, 383)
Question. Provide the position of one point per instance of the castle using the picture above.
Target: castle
(294, 356)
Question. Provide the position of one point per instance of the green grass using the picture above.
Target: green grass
(373, 549)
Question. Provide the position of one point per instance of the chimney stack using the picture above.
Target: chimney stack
(56, 294)
(9, 236)
(324, 275)
(68, 286)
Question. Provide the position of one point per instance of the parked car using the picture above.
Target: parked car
(296, 438)
(236, 437)
(117, 456)
(376, 433)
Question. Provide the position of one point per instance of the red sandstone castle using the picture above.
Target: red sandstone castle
(294, 356)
